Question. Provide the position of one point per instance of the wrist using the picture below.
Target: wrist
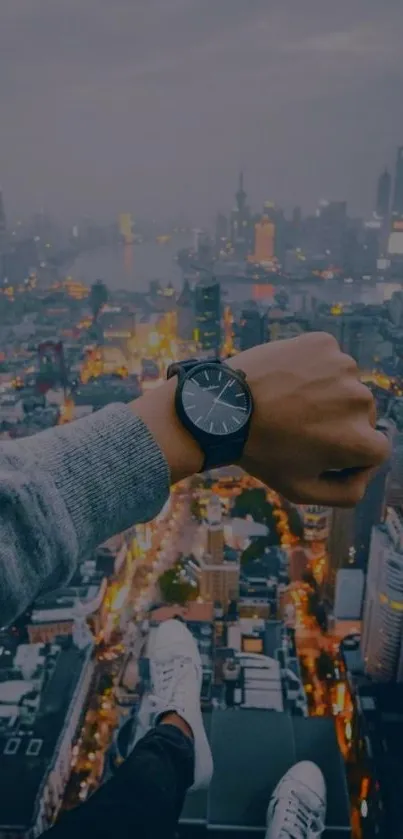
(157, 410)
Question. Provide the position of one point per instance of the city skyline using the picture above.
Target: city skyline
(290, 96)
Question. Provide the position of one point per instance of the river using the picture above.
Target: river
(131, 267)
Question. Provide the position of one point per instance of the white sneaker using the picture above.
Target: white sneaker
(297, 809)
(176, 674)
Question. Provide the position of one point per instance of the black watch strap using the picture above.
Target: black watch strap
(183, 367)
(224, 454)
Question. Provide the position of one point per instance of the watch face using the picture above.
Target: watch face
(216, 401)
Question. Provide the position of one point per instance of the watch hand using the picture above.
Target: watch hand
(211, 409)
(216, 400)
(228, 405)
(223, 391)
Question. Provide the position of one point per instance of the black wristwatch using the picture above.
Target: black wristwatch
(214, 403)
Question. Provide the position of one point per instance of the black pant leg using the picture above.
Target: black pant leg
(144, 798)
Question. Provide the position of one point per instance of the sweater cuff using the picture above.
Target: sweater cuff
(109, 471)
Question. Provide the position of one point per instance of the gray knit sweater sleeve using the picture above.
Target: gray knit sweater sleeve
(68, 489)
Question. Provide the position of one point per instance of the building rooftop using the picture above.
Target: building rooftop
(251, 753)
(193, 612)
(37, 686)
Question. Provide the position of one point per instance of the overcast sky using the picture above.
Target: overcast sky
(154, 105)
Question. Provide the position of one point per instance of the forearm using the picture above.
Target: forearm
(65, 491)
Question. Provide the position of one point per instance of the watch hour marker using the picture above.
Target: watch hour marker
(189, 407)
(207, 375)
(198, 420)
(239, 396)
(211, 427)
(238, 422)
(225, 427)
(219, 376)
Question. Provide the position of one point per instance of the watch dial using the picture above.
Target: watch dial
(216, 401)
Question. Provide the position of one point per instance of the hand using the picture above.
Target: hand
(312, 435)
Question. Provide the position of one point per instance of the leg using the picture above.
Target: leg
(144, 799)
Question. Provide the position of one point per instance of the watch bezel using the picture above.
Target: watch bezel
(197, 432)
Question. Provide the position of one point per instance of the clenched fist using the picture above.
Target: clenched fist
(312, 435)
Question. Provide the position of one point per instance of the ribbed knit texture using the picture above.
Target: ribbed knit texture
(68, 489)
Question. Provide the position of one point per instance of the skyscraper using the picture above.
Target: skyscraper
(397, 206)
(382, 637)
(370, 512)
(219, 580)
(264, 241)
(208, 316)
(221, 232)
(241, 222)
(383, 194)
(253, 327)
(185, 313)
(3, 223)
(332, 223)
(215, 531)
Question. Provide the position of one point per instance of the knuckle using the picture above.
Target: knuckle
(325, 339)
(348, 362)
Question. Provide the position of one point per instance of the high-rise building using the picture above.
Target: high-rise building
(253, 327)
(382, 637)
(219, 579)
(208, 316)
(241, 222)
(221, 232)
(350, 530)
(3, 221)
(369, 512)
(383, 195)
(185, 313)
(340, 546)
(332, 223)
(264, 250)
(395, 485)
(126, 228)
(397, 206)
(215, 531)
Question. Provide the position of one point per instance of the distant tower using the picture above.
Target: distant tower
(215, 531)
(241, 222)
(3, 220)
(397, 207)
(383, 194)
(241, 195)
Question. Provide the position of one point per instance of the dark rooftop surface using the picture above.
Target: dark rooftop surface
(252, 749)
(21, 771)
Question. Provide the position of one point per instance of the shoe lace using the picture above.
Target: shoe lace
(170, 683)
(299, 820)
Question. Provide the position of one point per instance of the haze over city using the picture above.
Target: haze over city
(154, 107)
(210, 192)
